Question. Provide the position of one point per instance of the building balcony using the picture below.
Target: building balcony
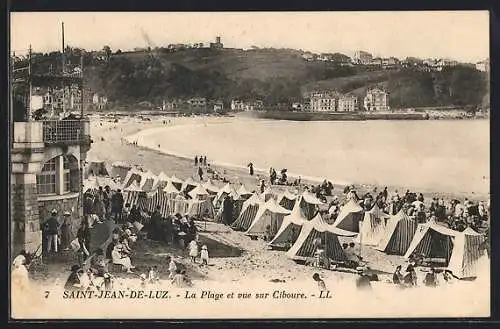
(68, 132)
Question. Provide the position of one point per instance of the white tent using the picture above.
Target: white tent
(147, 181)
(349, 217)
(309, 205)
(433, 241)
(189, 184)
(248, 212)
(199, 193)
(270, 214)
(289, 230)
(161, 181)
(210, 187)
(171, 189)
(223, 192)
(268, 194)
(133, 175)
(468, 259)
(398, 234)
(243, 192)
(287, 200)
(372, 228)
(177, 182)
(316, 229)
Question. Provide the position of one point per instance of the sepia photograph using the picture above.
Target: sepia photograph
(249, 165)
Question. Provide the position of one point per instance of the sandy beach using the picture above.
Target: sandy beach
(239, 263)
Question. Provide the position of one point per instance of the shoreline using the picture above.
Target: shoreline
(140, 134)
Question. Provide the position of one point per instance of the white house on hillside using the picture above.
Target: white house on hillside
(376, 100)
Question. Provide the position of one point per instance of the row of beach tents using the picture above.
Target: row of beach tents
(294, 222)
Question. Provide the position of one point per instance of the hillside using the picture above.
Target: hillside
(273, 75)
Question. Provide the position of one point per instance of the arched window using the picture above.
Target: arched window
(46, 179)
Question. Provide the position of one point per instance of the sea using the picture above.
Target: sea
(433, 155)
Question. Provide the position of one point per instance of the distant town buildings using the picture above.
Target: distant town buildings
(239, 105)
(217, 44)
(197, 104)
(376, 100)
(99, 101)
(347, 103)
(362, 57)
(483, 66)
(323, 101)
(218, 106)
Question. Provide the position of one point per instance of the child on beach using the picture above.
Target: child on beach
(172, 267)
(193, 250)
(321, 283)
(204, 255)
(153, 275)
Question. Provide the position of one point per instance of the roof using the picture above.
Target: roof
(210, 186)
(170, 188)
(243, 191)
(198, 190)
(310, 198)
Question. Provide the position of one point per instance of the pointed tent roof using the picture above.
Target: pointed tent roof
(134, 187)
(176, 180)
(349, 216)
(372, 227)
(160, 179)
(210, 186)
(289, 195)
(226, 189)
(170, 188)
(132, 171)
(310, 198)
(243, 191)
(189, 182)
(422, 230)
(294, 218)
(467, 256)
(198, 190)
(269, 206)
(319, 225)
(406, 228)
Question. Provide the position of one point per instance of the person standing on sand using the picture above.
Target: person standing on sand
(200, 173)
(321, 283)
(205, 160)
(66, 231)
(195, 160)
(250, 168)
(262, 186)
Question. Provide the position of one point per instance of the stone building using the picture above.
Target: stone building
(376, 100)
(47, 162)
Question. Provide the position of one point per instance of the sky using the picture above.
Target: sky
(460, 35)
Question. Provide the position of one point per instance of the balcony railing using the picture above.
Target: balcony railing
(65, 131)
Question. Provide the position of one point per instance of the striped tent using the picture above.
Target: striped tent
(372, 228)
(177, 182)
(147, 181)
(398, 234)
(133, 175)
(201, 208)
(432, 241)
(349, 217)
(287, 200)
(270, 214)
(161, 181)
(317, 230)
(248, 213)
(268, 194)
(210, 187)
(135, 196)
(199, 193)
(188, 185)
(468, 259)
(289, 230)
(309, 205)
(180, 205)
(223, 192)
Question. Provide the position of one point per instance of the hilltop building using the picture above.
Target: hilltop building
(483, 66)
(362, 57)
(217, 44)
(376, 100)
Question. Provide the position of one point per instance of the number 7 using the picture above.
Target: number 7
(47, 294)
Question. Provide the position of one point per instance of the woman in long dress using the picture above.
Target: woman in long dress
(193, 250)
(20, 280)
(120, 258)
(66, 231)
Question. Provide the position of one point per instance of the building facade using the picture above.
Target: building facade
(362, 57)
(376, 100)
(197, 104)
(323, 102)
(239, 105)
(347, 103)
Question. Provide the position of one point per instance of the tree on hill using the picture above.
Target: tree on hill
(107, 52)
